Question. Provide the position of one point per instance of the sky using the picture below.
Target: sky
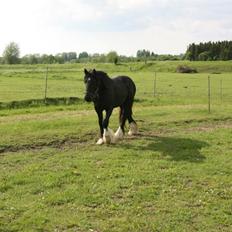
(100, 26)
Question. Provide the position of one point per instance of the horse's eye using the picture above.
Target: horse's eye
(87, 80)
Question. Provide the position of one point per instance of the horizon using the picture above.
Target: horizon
(163, 27)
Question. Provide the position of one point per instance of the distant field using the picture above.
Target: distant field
(159, 66)
(175, 175)
(28, 82)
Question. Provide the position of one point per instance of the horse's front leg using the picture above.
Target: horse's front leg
(100, 122)
(108, 134)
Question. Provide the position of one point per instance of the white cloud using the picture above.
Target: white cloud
(164, 26)
(128, 4)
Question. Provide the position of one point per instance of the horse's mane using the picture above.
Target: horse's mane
(105, 79)
(102, 74)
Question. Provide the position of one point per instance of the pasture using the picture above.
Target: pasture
(175, 175)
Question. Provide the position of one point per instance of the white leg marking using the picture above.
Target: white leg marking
(108, 136)
(133, 129)
(118, 134)
(112, 137)
(100, 141)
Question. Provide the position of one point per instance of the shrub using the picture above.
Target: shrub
(185, 69)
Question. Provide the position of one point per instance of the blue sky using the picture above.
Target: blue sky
(164, 26)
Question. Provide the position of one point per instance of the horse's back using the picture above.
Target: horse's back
(125, 82)
(124, 89)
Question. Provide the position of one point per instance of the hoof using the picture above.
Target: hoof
(118, 134)
(133, 129)
(100, 141)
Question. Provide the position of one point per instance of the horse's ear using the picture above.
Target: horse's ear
(94, 72)
(85, 71)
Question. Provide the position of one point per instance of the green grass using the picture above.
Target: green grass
(174, 176)
(20, 82)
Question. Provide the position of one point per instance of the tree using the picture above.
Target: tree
(30, 59)
(59, 58)
(11, 53)
(98, 58)
(204, 56)
(143, 54)
(72, 56)
(112, 57)
(221, 50)
(64, 56)
(83, 55)
(47, 59)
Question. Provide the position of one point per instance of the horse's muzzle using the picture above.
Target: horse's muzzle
(91, 97)
(88, 98)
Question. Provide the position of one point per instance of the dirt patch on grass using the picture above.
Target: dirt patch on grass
(207, 125)
(212, 127)
(61, 144)
(45, 116)
(185, 127)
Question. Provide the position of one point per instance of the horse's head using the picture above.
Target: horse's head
(92, 85)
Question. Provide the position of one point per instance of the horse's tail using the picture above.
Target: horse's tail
(131, 89)
(130, 101)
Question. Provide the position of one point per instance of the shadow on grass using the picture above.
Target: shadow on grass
(177, 149)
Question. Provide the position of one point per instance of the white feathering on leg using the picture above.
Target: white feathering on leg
(108, 136)
(100, 141)
(112, 137)
(133, 129)
(118, 134)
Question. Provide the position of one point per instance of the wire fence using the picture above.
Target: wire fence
(192, 89)
(156, 88)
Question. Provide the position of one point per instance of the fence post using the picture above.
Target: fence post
(209, 95)
(154, 86)
(46, 85)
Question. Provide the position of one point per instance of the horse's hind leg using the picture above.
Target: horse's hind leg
(133, 125)
(122, 119)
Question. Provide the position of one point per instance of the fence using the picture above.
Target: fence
(155, 88)
(221, 94)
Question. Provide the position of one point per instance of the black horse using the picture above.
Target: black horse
(106, 94)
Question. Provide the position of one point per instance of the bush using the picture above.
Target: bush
(185, 69)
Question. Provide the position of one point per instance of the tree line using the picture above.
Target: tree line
(11, 55)
(221, 50)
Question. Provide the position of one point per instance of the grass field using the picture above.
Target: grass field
(175, 175)
(28, 82)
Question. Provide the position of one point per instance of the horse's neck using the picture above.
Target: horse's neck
(106, 82)
(104, 76)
